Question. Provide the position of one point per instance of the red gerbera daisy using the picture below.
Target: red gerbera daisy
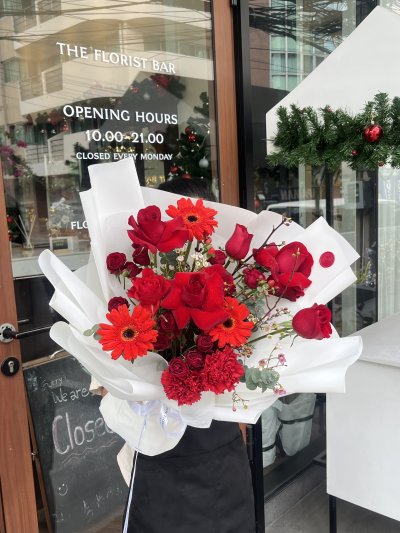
(130, 335)
(234, 331)
(198, 219)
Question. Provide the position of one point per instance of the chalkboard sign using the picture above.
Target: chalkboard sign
(77, 450)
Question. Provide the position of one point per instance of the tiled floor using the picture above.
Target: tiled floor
(310, 513)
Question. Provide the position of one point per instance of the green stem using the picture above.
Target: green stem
(276, 332)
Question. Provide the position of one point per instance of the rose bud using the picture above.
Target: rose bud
(116, 302)
(131, 269)
(239, 243)
(252, 277)
(167, 324)
(140, 255)
(204, 343)
(162, 343)
(313, 322)
(195, 360)
(115, 262)
(178, 368)
(218, 258)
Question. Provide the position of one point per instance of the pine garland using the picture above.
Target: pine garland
(329, 137)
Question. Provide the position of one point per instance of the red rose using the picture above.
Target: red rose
(198, 296)
(185, 391)
(162, 343)
(132, 269)
(313, 322)
(149, 289)
(167, 324)
(178, 368)
(290, 286)
(218, 257)
(115, 262)
(294, 257)
(140, 255)
(149, 230)
(116, 302)
(195, 360)
(222, 371)
(265, 256)
(252, 277)
(204, 343)
(239, 243)
(227, 278)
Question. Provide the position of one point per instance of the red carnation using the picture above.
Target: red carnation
(150, 231)
(185, 391)
(222, 371)
(115, 262)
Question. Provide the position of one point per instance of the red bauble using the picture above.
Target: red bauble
(257, 203)
(354, 153)
(188, 130)
(174, 169)
(186, 176)
(373, 133)
(192, 138)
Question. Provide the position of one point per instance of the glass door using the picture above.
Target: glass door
(81, 86)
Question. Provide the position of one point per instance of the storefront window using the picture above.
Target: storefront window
(97, 85)
(81, 85)
(287, 41)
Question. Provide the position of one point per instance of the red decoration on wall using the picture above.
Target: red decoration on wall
(192, 138)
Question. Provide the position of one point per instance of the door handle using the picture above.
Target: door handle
(8, 332)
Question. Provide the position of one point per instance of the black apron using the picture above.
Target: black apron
(203, 485)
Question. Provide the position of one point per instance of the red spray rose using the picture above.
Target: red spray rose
(167, 324)
(222, 371)
(140, 255)
(132, 269)
(163, 342)
(252, 277)
(204, 343)
(195, 360)
(198, 296)
(218, 257)
(178, 368)
(116, 302)
(149, 289)
(149, 230)
(115, 262)
(239, 243)
(313, 322)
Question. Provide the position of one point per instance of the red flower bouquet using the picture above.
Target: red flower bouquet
(186, 316)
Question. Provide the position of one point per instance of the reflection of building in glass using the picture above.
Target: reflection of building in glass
(90, 83)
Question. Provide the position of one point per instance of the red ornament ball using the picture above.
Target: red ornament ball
(257, 203)
(373, 133)
(186, 176)
(192, 138)
(188, 130)
(354, 153)
(174, 169)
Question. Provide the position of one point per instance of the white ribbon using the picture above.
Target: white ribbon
(144, 409)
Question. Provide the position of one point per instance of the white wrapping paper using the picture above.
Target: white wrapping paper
(81, 298)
